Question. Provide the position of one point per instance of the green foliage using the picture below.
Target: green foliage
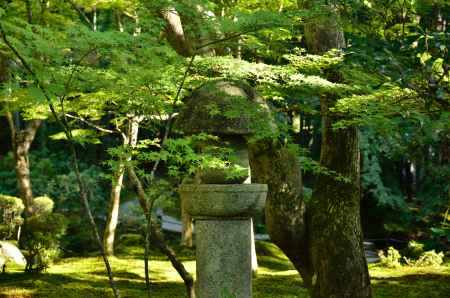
(52, 176)
(419, 257)
(414, 249)
(81, 136)
(11, 209)
(391, 259)
(441, 232)
(81, 277)
(428, 258)
(201, 152)
(41, 235)
(131, 240)
(43, 205)
(392, 81)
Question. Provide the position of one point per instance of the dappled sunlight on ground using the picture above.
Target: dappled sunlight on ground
(85, 277)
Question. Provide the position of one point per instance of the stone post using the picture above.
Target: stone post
(222, 214)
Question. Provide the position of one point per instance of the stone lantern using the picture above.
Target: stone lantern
(222, 208)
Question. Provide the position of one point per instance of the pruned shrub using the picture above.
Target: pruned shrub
(42, 234)
(11, 209)
(43, 205)
(131, 240)
(428, 258)
(414, 249)
(391, 259)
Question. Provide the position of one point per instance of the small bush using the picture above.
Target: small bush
(11, 209)
(43, 205)
(41, 235)
(391, 259)
(414, 249)
(79, 239)
(428, 258)
(131, 240)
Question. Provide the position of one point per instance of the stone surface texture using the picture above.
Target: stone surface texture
(223, 108)
(222, 201)
(223, 249)
(222, 208)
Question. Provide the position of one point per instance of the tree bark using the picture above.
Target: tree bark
(323, 36)
(21, 141)
(335, 234)
(323, 238)
(175, 32)
(186, 233)
(273, 164)
(158, 241)
(335, 239)
(113, 211)
(322, 32)
(130, 140)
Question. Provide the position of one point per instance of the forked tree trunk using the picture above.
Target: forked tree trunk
(130, 140)
(324, 238)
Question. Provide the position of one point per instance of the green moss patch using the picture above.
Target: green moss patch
(85, 277)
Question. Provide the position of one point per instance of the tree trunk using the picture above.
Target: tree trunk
(186, 233)
(130, 140)
(335, 235)
(323, 239)
(158, 240)
(323, 35)
(322, 31)
(175, 33)
(275, 165)
(113, 211)
(21, 141)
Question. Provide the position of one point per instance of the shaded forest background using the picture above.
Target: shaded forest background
(116, 74)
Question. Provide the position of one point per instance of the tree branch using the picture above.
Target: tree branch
(236, 35)
(81, 13)
(157, 238)
(68, 133)
(99, 128)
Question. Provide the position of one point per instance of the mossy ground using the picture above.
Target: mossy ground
(85, 277)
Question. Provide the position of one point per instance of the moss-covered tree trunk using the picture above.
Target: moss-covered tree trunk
(339, 267)
(322, 238)
(335, 240)
(279, 168)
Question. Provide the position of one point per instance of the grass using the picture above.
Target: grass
(85, 277)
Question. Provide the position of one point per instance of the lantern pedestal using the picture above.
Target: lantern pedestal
(222, 214)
